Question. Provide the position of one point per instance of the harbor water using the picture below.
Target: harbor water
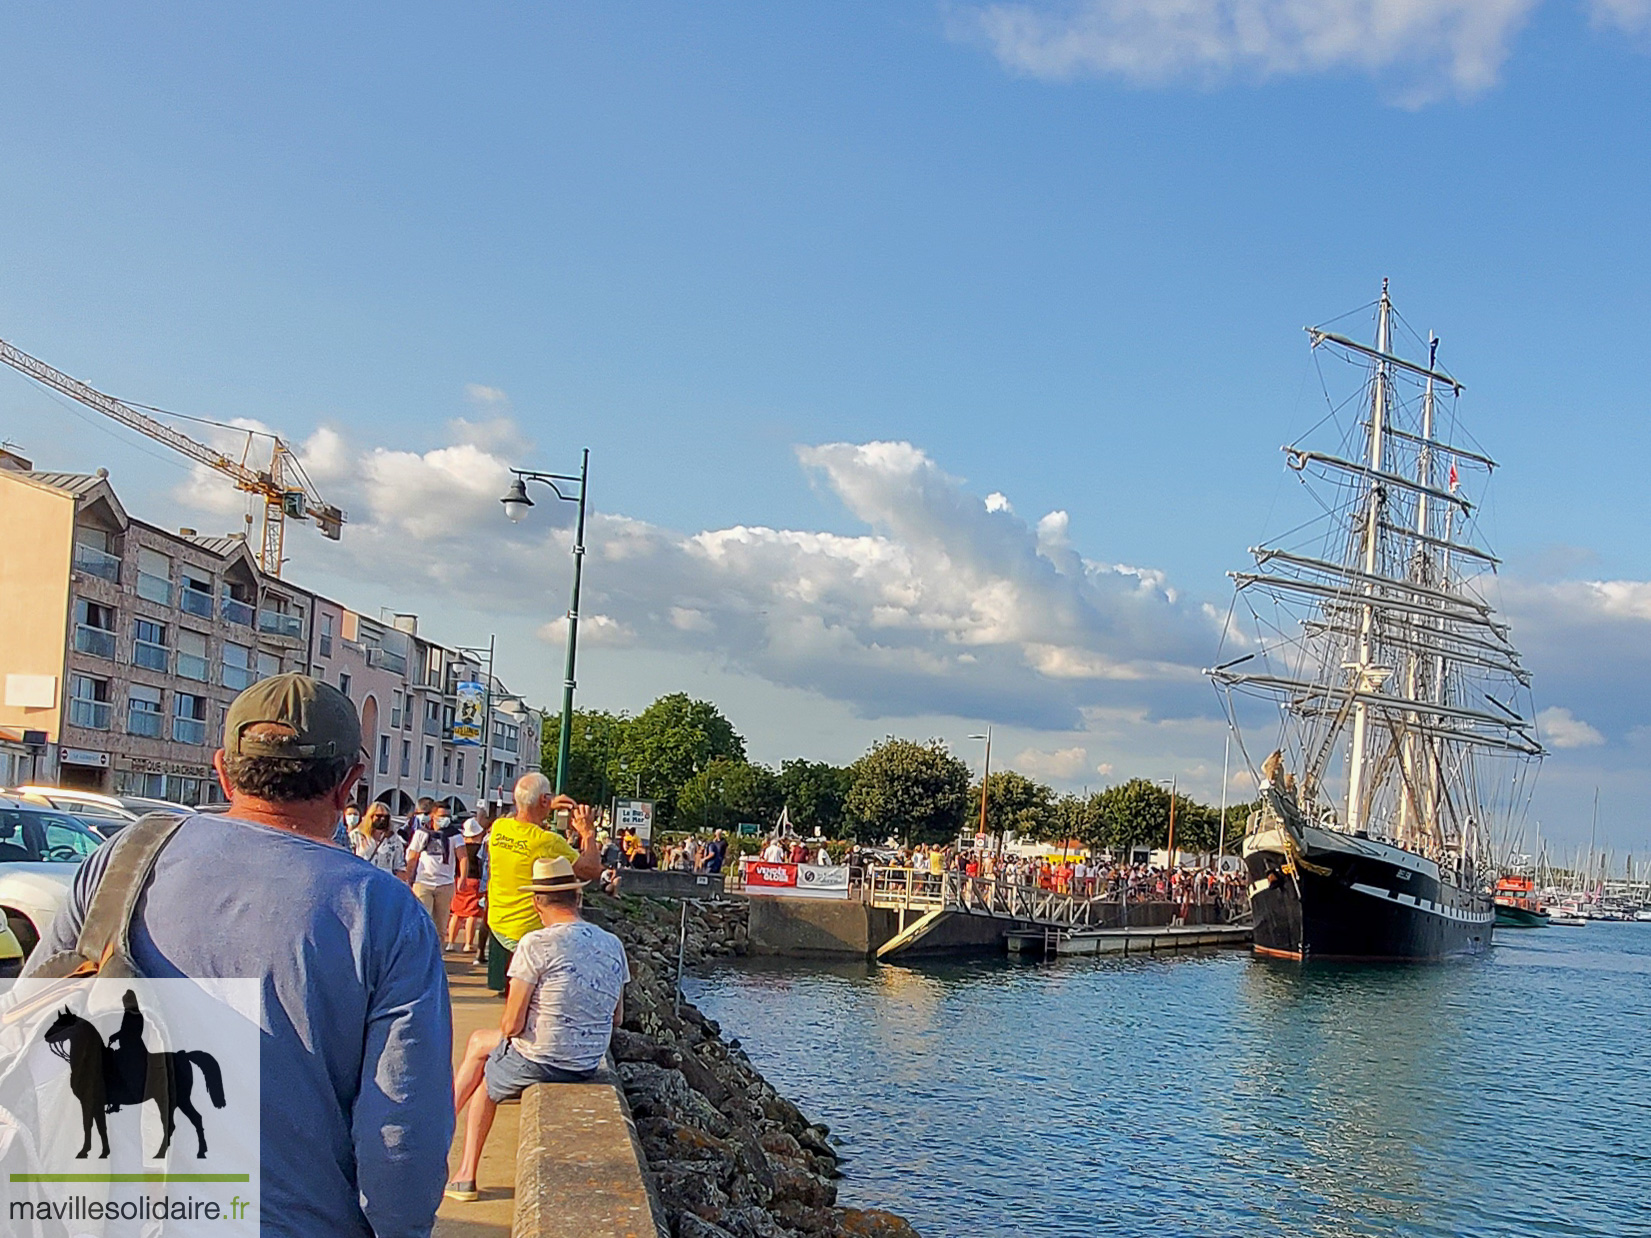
(1220, 1094)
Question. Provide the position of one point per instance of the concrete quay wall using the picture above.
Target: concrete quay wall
(847, 928)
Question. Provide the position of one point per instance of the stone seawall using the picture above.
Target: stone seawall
(727, 1155)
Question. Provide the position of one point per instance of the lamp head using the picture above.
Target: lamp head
(516, 502)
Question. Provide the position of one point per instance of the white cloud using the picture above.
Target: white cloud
(1563, 729)
(1629, 16)
(485, 397)
(1431, 48)
(998, 502)
(598, 630)
(941, 606)
(1061, 765)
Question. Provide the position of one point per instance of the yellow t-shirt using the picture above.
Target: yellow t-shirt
(511, 849)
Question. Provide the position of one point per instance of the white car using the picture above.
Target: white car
(41, 850)
(107, 814)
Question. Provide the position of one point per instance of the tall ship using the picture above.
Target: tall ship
(1406, 733)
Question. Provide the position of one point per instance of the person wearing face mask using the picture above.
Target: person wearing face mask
(377, 843)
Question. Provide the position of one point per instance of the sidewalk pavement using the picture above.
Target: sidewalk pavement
(474, 1006)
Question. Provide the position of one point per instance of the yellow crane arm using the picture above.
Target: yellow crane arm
(280, 499)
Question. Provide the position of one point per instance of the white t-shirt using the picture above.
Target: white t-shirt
(774, 854)
(579, 973)
(437, 866)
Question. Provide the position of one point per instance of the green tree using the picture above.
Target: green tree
(917, 792)
(1015, 802)
(593, 753)
(814, 793)
(727, 792)
(669, 742)
(1076, 816)
(1136, 814)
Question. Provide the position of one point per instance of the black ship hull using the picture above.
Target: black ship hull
(1334, 897)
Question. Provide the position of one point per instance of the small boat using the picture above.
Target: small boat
(1643, 915)
(1567, 915)
(1517, 905)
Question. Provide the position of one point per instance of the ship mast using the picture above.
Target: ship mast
(1411, 812)
(1366, 677)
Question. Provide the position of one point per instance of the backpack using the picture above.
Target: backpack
(104, 947)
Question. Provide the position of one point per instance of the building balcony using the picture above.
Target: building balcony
(95, 562)
(144, 722)
(93, 715)
(237, 611)
(150, 657)
(272, 623)
(192, 667)
(96, 641)
(388, 660)
(188, 730)
(154, 589)
(238, 677)
(195, 602)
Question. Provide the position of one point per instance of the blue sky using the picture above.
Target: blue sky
(1064, 252)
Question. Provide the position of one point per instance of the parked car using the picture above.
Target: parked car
(41, 849)
(11, 954)
(107, 814)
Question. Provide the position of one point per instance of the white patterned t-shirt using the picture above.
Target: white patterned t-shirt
(578, 973)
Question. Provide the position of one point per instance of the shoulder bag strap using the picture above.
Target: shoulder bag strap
(104, 944)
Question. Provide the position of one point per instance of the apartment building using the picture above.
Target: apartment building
(125, 642)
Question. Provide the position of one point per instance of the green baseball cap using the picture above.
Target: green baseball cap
(323, 722)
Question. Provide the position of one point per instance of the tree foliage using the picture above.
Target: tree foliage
(814, 794)
(592, 751)
(670, 742)
(727, 792)
(917, 792)
(1015, 802)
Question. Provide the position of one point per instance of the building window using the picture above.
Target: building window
(238, 609)
(154, 577)
(149, 645)
(89, 702)
(237, 666)
(432, 667)
(432, 716)
(406, 757)
(94, 629)
(268, 664)
(344, 682)
(325, 643)
(447, 767)
(93, 556)
(384, 754)
(143, 711)
(429, 763)
(195, 597)
(132, 782)
(458, 769)
(192, 663)
(395, 711)
(188, 718)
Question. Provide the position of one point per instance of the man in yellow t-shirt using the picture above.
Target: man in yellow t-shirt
(512, 846)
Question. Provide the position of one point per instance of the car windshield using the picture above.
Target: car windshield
(28, 836)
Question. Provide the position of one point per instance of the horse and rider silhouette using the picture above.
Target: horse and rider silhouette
(124, 1072)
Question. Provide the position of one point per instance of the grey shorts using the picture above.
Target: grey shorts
(508, 1073)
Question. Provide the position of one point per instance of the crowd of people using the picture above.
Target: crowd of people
(341, 916)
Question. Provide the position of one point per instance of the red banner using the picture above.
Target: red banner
(796, 880)
(762, 875)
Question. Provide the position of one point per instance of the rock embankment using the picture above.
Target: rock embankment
(729, 1156)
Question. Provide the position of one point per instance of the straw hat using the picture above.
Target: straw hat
(551, 874)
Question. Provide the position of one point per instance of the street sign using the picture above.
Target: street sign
(635, 815)
(749, 829)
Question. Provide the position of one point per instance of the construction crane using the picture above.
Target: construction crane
(287, 493)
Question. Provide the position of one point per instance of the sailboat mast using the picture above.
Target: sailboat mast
(1372, 527)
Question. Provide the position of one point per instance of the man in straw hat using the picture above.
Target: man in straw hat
(356, 1119)
(566, 995)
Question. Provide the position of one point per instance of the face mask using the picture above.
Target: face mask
(422, 819)
(352, 818)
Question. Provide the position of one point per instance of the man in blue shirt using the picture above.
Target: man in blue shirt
(355, 1050)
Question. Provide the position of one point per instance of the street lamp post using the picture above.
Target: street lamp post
(1170, 848)
(985, 781)
(516, 505)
